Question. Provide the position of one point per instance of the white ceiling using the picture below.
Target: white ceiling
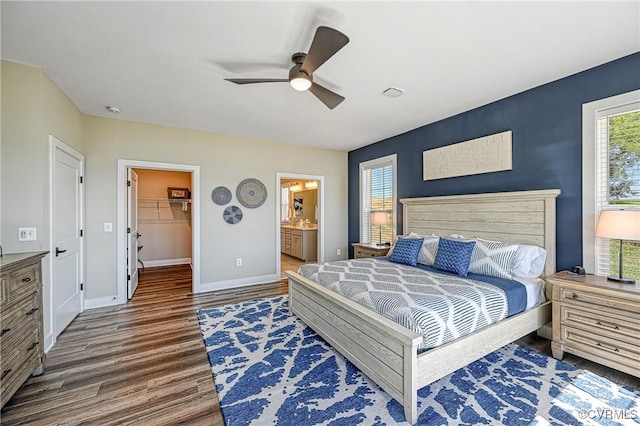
(164, 62)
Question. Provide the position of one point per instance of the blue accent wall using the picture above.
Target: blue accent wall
(546, 122)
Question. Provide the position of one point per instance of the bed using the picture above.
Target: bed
(387, 352)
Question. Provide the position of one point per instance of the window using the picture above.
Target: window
(611, 170)
(284, 204)
(378, 194)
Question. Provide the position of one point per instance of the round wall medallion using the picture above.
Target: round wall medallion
(221, 195)
(251, 193)
(232, 215)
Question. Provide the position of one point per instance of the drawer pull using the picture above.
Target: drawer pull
(615, 327)
(574, 296)
(4, 373)
(607, 347)
(31, 312)
(5, 331)
(26, 280)
(32, 347)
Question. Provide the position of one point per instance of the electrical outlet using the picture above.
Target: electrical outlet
(26, 234)
(239, 261)
(338, 252)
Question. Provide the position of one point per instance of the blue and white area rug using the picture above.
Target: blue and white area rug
(270, 368)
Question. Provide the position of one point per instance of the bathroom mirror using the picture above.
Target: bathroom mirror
(297, 205)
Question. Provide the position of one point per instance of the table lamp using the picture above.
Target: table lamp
(380, 219)
(620, 225)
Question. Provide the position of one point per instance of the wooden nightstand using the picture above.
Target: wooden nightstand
(596, 319)
(369, 250)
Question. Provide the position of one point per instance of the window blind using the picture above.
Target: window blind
(618, 182)
(284, 204)
(377, 193)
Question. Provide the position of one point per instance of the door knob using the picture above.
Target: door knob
(58, 251)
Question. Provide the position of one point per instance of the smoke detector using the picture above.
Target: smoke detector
(393, 92)
(113, 109)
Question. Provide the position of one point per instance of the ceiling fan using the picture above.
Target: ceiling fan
(326, 43)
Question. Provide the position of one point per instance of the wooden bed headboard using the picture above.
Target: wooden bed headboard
(525, 217)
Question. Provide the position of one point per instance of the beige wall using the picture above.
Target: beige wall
(223, 160)
(33, 108)
(164, 226)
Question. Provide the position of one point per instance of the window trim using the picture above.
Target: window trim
(393, 159)
(590, 113)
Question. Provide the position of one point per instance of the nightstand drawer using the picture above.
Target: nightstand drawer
(612, 326)
(366, 253)
(601, 345)
(361, 250)
(581, 297)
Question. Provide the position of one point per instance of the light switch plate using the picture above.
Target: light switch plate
(108, 227)
(26, 234)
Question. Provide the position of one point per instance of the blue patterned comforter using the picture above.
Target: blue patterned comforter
(440, 307)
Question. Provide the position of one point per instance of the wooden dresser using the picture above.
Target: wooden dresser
(369, 250)
(596, 319)
(21, 339)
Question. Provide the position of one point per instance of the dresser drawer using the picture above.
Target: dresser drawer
(21, 282)
(12, 355)
(579, 297)
(615, 326)
(25, 312)
(17, 374)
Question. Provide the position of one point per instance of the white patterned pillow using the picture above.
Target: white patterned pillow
(429, 248)
(493, 258)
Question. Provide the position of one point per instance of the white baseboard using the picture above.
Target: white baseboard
(167, 262)
(100, 302)
(242, 282)
(48, 342)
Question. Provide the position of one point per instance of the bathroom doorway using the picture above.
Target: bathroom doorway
(299, 228)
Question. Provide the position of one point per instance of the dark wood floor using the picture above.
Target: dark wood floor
(139, 363)
(145, 362)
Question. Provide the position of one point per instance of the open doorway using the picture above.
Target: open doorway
(164, 225)
(300, 226)
(167, 221)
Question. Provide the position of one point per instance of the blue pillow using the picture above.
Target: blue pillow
(406, 251)
(454, 256)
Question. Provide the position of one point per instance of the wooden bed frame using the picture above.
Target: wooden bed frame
(386, 351)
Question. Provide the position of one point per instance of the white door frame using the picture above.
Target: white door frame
(320, 179)
(55, 143)
(121, 219)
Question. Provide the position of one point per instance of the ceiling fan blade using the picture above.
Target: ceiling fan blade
(257, 80)
(326, 43)
(329, 98)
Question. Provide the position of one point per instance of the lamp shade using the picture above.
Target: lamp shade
(379, 218)
(619, 225)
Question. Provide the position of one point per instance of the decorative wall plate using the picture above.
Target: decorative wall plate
(232, 215)
(221, 195)
(251, 193)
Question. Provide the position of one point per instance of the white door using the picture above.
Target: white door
(132, 232)
(67, 171)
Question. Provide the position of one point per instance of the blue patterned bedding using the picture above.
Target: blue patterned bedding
(440, 307)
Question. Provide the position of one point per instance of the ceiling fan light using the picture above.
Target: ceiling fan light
(300, 83)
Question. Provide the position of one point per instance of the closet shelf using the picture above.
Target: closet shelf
(169, 200)
(164, 210)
